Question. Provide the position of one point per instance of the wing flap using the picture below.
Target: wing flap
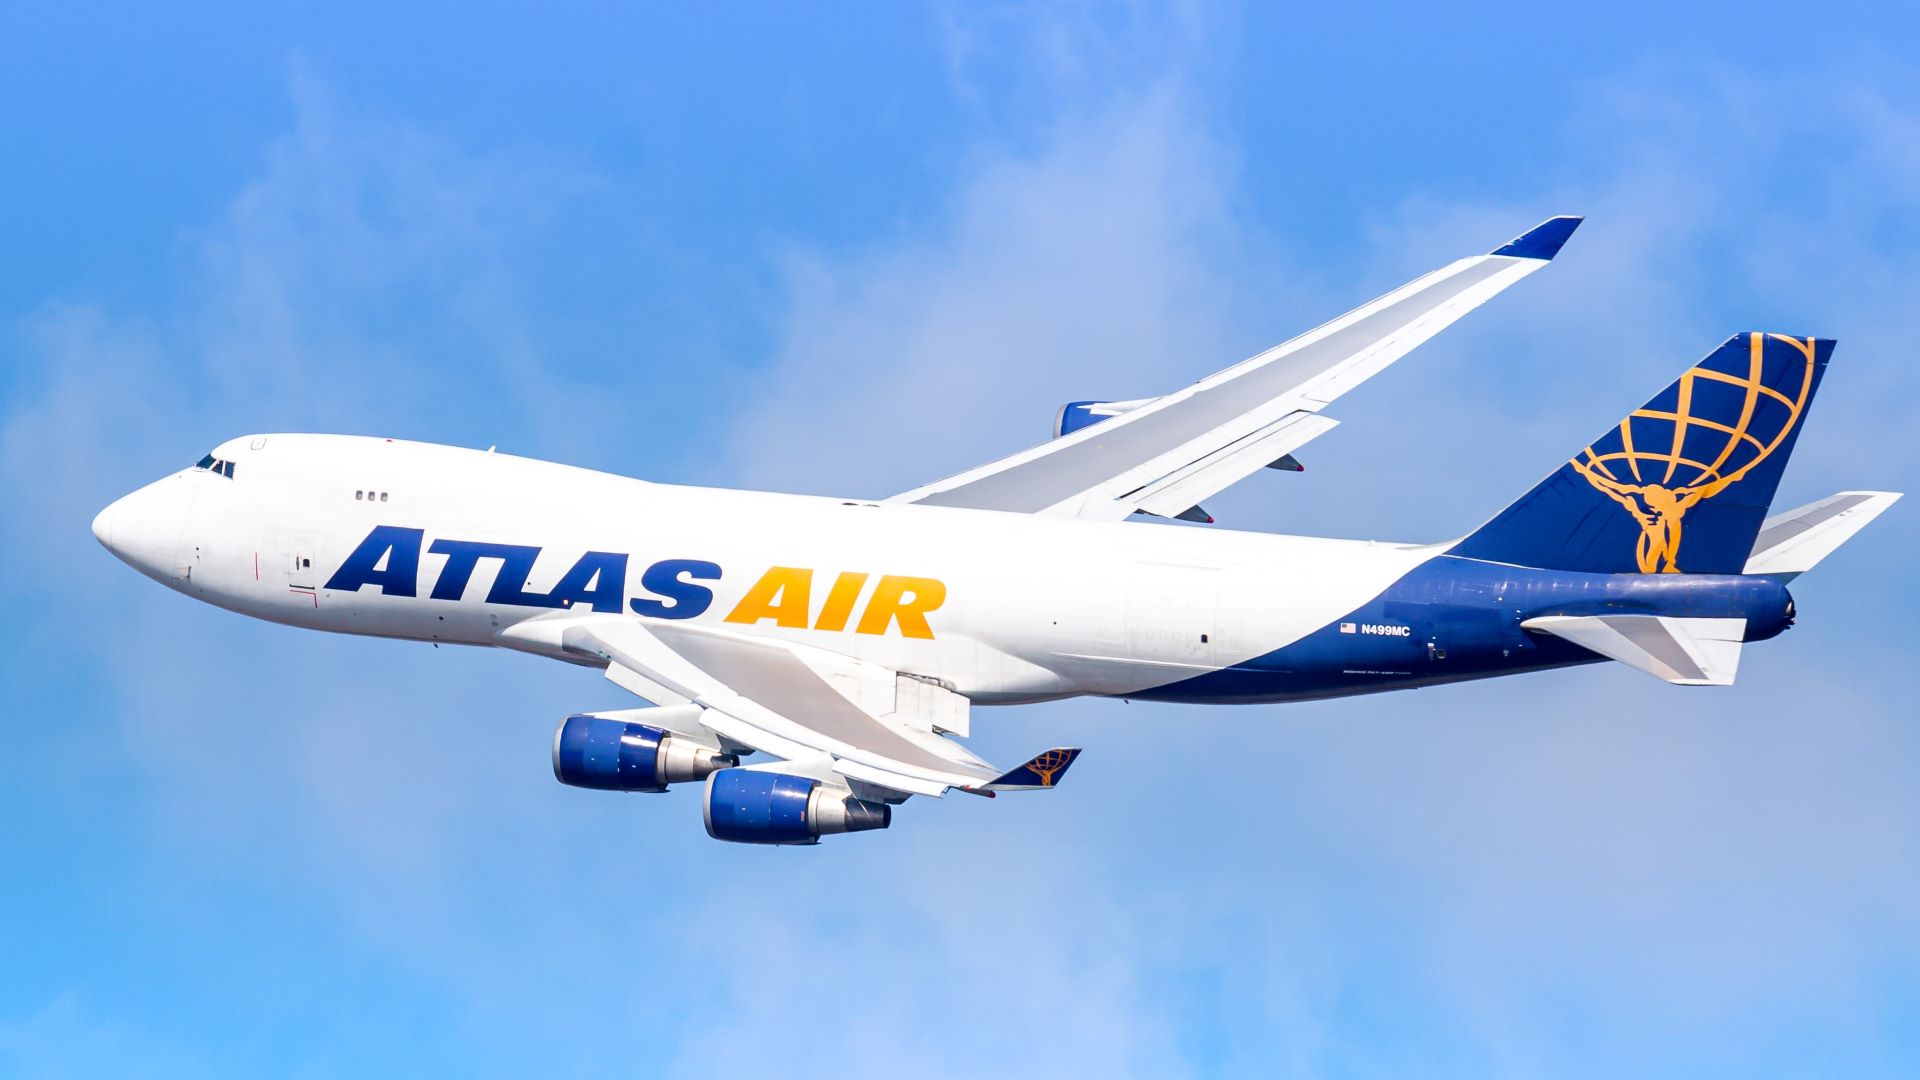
(1683, 651)
(893, 781)
(769, 685)
(1201, 478)
(829, 713)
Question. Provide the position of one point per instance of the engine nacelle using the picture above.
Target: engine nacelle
(753, 806)
(613, 755)
(1075, 415)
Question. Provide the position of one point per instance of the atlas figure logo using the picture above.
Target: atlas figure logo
(389, 560)
(1656, 464)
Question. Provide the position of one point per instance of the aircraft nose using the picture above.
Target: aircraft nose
(142, 528)
(103, 525)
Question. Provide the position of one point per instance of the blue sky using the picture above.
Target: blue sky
(847, 251)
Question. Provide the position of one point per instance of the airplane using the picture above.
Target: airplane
(846, 640)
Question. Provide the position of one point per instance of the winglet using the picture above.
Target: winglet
(1544, 240)
(1043, 771)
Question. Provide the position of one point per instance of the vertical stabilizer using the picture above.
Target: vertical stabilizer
(1682, 484)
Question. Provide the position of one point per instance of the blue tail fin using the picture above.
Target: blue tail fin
(1683, 483)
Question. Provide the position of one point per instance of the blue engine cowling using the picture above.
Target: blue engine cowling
(1075, 415)
(615, 755)
(753, 806)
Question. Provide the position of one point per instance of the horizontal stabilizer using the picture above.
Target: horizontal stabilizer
(1686, 652)
(1043, 771)
(1790, 544)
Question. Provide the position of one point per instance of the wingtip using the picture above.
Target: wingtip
(1043, 771)
(1544, 240)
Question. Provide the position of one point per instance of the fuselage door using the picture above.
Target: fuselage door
(299, 556)
(1171, 612)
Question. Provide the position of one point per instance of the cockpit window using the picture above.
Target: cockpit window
(216, 466)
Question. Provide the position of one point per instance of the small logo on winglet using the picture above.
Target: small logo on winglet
(1048, 765)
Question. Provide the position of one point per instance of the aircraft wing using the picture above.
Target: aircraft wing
(855, 722)
(1168, 454)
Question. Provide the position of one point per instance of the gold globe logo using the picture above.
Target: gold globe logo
(1650, 470)
(1048, 765)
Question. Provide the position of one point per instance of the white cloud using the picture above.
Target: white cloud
(1092, 267)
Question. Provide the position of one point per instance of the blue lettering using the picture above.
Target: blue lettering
(599, 579)
(462, 557)
(509, 585)
(665, 578)
(400, 548)
(389, 559)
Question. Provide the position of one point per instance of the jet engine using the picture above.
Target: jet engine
(755, 806)
(615, 755)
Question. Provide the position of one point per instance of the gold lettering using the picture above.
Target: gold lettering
(907, 599)
(840, 600)
(783, 594)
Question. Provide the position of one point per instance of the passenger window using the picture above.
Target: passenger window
(383, 496)
(358, 495)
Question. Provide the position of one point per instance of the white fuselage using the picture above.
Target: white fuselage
(1031, 607)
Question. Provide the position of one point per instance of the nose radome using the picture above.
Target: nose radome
(142, 528)
(103, 524)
